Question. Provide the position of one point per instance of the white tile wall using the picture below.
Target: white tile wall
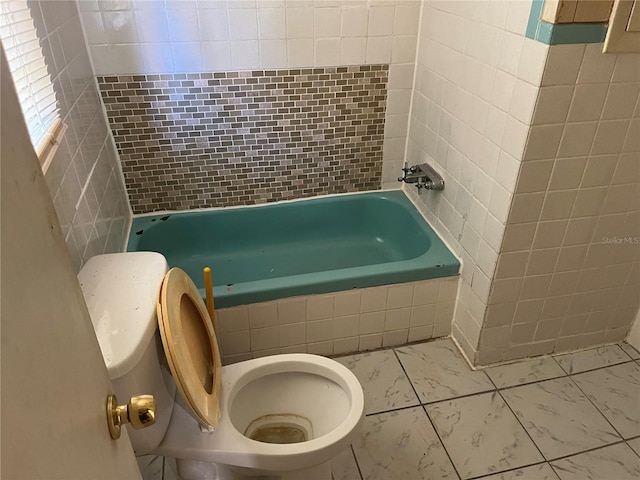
(84, 179)
(567, 275)
(477, 80)
(386, 31)
(183, 36)
(339, 323)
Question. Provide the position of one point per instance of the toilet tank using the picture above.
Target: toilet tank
(121, 291)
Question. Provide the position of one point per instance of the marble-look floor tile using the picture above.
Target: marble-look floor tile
(481, 435)
(438, 371)
(150, 467)
(524, 372)
(616, 392)
(617, 462)
(591, 359)
(401, 445)
(170, 469)
(536, 472)
(631, 351)
(344, 467)
(385, 385)
(635, 444)
(559, 417)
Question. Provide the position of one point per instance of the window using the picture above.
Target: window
(31, 77)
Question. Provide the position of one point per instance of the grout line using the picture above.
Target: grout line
(441, 442)
(515, 469)
(632, 449)
(453, 465)
(593, 449)
(595, 406)
(398, 409)
(518, 419)
(355, 459)
(523, 427)
(600, 368)
(459, 397)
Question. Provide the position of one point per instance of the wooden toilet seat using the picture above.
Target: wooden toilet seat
(190, 345)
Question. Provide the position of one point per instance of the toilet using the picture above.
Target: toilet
(276, 417)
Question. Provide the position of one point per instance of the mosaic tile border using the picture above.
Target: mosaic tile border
(238, 138)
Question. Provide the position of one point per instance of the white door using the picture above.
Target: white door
(54, 381)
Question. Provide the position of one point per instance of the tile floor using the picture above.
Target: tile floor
(429, 416)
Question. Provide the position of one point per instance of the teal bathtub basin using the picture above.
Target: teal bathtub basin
(303, 247)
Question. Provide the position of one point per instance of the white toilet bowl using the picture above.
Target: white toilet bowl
(288, 395)
(281, 416)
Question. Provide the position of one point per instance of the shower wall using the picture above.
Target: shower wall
(540, 151)
(160, 48)
(568, 273)
(84, 179)
(475, 91)
(237, 138)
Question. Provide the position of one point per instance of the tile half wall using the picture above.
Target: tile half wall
(239, 138)
(338, 323)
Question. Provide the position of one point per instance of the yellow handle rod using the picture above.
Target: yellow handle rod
(208, 289)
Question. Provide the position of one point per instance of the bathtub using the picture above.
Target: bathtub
(301, 247)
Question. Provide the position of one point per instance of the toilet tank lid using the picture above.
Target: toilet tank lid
(121, 293)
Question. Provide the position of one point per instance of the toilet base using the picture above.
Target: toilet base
(194, 470)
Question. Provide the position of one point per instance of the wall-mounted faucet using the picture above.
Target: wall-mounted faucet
(423, 176)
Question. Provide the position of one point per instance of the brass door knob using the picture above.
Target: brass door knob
(140, 412)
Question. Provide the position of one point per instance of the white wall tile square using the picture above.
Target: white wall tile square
(327, 22)
(327, 51)
(381, 19)
(300, 22)
(587, 103)
(213, 23)
(379, 49)
(395, 338)
(292, 334)
(244, 54)
(120, 27)
(354, 21)
(183, 25)
(553, 104)
(300, 52)
(563, 65)
(627, 69)
(319, 330)
(263, 315)
(407, 18)
(243, 24)
(273, 53)
(292, 310)
(543, 141)
(187, 56)
(272, 23)
(216, 56)
(621, 100)
(320, 307)
(264, 338)
(576, 139)
(353, 50)
(346, 326)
